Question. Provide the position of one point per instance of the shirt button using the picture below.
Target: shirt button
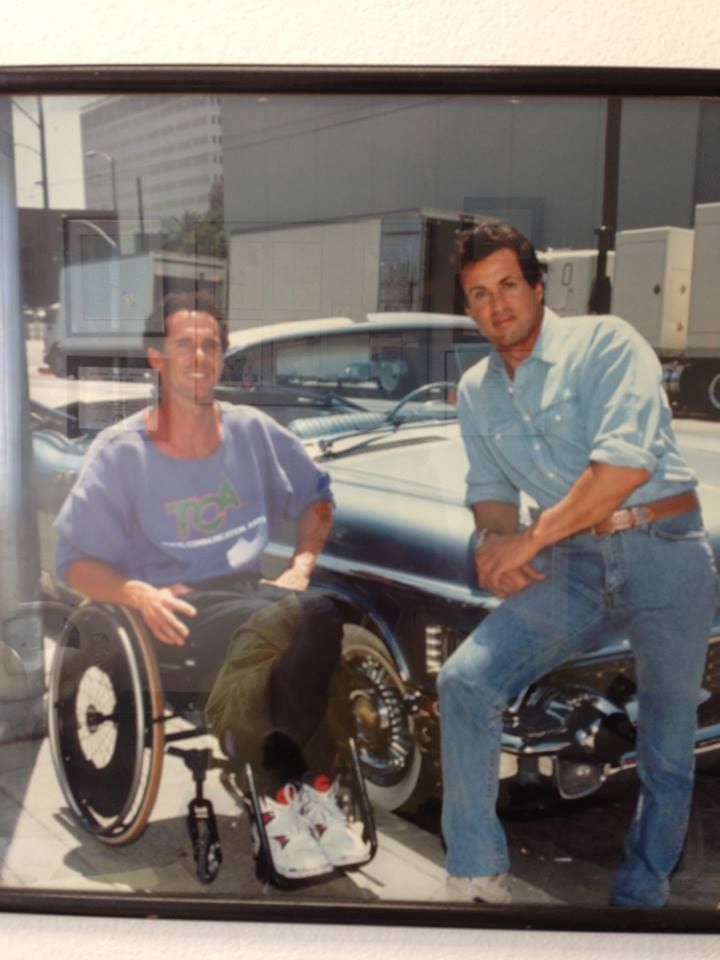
(536, 446)
(551, 474)
(526, 418)
(558, 416)
(498, 436)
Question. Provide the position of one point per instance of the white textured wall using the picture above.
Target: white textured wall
(638, 32)
(533, 32)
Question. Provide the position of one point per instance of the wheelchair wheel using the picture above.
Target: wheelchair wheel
(106, 721)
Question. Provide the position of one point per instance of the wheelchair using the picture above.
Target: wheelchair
(111, 698)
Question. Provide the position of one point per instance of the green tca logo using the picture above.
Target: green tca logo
(204, 514)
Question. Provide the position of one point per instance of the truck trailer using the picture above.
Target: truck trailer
(104, 305)
(667, 284)
(393, 262)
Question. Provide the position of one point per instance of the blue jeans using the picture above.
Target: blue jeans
(657, 583)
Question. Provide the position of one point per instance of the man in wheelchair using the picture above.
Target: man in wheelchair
(169, 516)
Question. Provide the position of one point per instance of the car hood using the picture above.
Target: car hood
(420, 460)
(401, 498)
(400, 510)
(430, 461)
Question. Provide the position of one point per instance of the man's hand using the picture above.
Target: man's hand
(313, 528)
(293, 578)
(159, 607)
(503, 566)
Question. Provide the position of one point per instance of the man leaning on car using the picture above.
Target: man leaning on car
(571, 411)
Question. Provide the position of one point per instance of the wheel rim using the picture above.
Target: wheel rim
(713, 392)
(385, 739)
(100, 721)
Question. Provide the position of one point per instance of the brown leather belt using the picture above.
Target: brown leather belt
(645, 513)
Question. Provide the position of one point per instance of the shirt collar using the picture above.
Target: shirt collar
(547, 346)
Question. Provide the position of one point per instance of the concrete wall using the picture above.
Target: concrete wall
(537, 161)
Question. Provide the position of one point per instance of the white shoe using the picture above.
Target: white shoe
(494, 889)
(339, 838)
(296, 854)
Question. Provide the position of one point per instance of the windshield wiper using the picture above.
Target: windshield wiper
(379, 430)
(390, 423)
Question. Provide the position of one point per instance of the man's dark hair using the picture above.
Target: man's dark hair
(479, 242)
(199, 301)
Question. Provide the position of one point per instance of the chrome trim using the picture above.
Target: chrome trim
(603, 774)
(706, 740)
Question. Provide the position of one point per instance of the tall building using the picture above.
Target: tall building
(155, 158)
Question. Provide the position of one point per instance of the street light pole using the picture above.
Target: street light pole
(42, 152)
(602, 292)
(113, 178)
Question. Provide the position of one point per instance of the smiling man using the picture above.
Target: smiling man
(170, 515)
(571, 411)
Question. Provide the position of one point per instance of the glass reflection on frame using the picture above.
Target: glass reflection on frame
(323, 227)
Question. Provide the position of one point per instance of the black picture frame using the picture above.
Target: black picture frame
(309, 80)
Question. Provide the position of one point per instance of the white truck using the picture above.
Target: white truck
(344, 268)
(667, 284)
(570, 278)
(104, 305)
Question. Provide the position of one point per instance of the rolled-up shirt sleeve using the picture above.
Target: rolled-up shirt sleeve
(622, 400)
(484, 480)
(297, 480)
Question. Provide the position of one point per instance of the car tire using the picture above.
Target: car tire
(711, 392)
(384, 731)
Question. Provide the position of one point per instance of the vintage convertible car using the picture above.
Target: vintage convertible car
(401, 554)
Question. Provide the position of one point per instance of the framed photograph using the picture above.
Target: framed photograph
(259, 489)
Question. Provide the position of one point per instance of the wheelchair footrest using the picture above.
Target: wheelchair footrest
(205, 839)
(288, 830)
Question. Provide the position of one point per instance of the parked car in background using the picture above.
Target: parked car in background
(383, 358)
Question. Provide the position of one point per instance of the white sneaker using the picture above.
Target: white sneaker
(339, 838)
(295, 852)
(494, 889)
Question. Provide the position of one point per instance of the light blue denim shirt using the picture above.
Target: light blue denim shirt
(590, 391)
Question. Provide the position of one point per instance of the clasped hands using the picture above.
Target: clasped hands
(503, 563)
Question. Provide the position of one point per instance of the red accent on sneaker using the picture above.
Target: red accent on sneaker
(321, 782)
(284, 794)
(282, 840)
(267, 817)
